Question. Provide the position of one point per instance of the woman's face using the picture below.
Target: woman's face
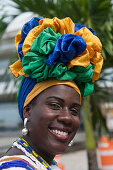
(54, 119)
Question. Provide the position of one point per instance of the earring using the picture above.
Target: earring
(71, 143)
(25, 130)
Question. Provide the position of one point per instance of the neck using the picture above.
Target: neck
(46, 156)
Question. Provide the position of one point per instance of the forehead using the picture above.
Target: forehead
(61, 91)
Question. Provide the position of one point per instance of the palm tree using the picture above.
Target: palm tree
(3, 26)
(96, 14)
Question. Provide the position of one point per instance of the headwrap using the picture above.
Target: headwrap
(52, 52)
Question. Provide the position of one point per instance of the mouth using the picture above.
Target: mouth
(60, 134)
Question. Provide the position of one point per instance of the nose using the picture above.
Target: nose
(65, 116)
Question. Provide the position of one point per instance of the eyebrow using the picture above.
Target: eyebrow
(76, 104)
(62, 100)
(57, 98)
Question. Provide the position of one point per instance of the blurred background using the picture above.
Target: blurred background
(97, 109)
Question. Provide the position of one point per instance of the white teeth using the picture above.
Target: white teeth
(60, 132)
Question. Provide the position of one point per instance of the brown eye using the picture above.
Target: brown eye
(54, 106)
(74, 111)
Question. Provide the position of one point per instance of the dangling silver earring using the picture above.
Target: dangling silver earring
(71, 143)
(25, 130)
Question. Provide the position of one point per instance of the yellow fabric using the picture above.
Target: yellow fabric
(97, 61)
(17, 69)
(64, 26)
(82, 60)
(39, 87)
(17, 39)
(92, 54)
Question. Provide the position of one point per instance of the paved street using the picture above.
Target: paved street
(75, 161)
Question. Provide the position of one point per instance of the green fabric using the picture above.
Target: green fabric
(79, 73)
(34, 64)
(45, 42)
(85, 88)
(82, 77)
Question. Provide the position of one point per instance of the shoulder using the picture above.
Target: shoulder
(20, 162)
(14, 151)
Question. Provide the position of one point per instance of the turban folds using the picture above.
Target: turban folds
(59, 51)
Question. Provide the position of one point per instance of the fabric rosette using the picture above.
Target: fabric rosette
(59, 49)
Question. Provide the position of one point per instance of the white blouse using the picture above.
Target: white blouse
(9, 162)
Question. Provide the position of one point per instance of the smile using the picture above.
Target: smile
(59, 134)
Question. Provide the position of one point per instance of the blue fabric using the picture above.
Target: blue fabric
(79, 26)
(16, 163)
(25, 30)
(66, 48)
(25, 88)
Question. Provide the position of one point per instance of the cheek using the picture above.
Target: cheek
(76, 122)
(48, 114)
(35, 119)
(42, 116)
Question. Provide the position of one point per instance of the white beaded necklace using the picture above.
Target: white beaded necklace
(30, 156)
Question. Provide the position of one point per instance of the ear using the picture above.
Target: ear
(27, 112)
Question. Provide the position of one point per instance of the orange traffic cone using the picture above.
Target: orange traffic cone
(105, 153)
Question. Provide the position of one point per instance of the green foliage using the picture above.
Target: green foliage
(98, 120)
(3, 26)
(96, 14)
(87, 119)
(99, 96)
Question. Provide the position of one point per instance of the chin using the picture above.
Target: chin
(58, 143)
(58, 148)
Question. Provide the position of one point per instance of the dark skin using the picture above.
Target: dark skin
(53, 120)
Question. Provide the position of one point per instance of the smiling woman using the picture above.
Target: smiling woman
(59, 61)
(53, 119)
